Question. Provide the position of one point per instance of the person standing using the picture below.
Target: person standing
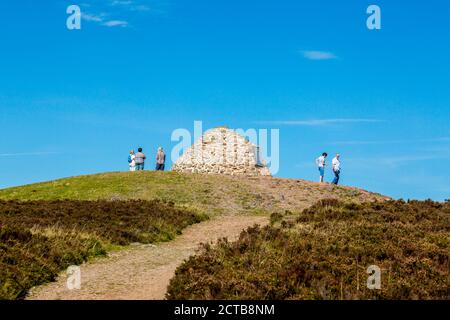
(140, 159)
(160, 159)
(336, 163)
(131, 161)
(320, 162)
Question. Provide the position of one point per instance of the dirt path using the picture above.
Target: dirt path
(144, 271)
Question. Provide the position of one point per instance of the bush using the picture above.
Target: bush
(41, 238)
(325, 253)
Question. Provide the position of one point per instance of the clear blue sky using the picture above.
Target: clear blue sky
(75, 102)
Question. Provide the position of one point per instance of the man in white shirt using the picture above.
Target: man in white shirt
(320, 162)
(336, 164)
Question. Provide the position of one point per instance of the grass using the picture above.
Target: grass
(40, 238)
(210, 194)
(324, 252)
(188, 190)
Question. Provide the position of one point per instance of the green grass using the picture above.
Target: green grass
(193, 191)
(110, 186)
(210, 194)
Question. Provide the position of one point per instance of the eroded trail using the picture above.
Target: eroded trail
(143, 271)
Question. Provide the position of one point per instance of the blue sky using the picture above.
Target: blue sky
(75, 102)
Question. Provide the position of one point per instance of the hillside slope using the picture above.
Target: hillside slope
(325, 253)
(38, 239)
(113, 216)
(143, 272)
(212, 194)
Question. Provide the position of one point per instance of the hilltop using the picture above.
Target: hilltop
(211, 194)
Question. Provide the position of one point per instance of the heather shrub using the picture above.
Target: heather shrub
(324, 254)
(38, 239)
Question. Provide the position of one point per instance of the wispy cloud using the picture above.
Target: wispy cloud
(397, 160)
(130, 5)
(38, 153)
(318, 55)
(140, 7)
(102, 19)
(319, 122)
(121, 3)
(116, 13)
(405, 141)
(115, 23)
(93, 17)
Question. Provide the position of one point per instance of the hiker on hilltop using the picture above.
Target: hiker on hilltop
(336, 163)
(131, 161)
(160, 159)
(320, 162)
(140, 159)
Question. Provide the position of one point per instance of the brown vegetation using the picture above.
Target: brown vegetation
(41, 238)
(324, 253)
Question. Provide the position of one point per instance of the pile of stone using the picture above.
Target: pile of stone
(222, 151)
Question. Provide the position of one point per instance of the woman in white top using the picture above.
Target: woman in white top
(320, 162)
(131, 161)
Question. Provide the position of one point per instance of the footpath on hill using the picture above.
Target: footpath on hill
(143, 271)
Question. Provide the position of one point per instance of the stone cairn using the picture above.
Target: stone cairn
(222, 151)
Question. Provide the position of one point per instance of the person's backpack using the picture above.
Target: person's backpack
(129, 158)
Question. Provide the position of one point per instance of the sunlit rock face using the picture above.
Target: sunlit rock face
(222, 151)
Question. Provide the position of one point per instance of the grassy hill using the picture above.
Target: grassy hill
(211, 194)
(46, 227)
(321, 238)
